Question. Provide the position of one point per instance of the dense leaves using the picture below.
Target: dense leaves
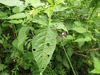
(49, 37)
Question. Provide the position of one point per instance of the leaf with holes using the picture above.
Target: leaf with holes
(43, 46)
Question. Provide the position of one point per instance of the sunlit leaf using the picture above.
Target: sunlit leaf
(12, 2)
(43, 46)
(16, 21)
(59, 25)
(22, 35)
(79, 29)
(17, 16)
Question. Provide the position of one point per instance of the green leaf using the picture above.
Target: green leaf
(4, 73)
(1, 42)
(65, 63)
(17, 16)
(80, 44)
(70, 51)
(2, 67)
(58, 1)
(15, 43)
(50, 12)
(59, 58)
(0, 30)
(16, 10)
(12, 2)
(22, 35)
(59, 8)
(42, 19)
(50, 1)
(35, 3)
(95, 71)
(96, 62)
(16, 21)
(78, 23)
(69, 37)
(2, 14)
(80, 40)
(59, 25)
(43, 46)
(79, 29)
(87, 38)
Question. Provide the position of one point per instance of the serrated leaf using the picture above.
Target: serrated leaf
(79, 29)
(59, 58)
(17, 16)
(43, 46)
(22, 35)
(12, 2)
(59, 25)
(16, 21)
(2, 67)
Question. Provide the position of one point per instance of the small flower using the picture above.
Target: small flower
(64, 33)
(24, 1)
(67, 32)
(62, 38)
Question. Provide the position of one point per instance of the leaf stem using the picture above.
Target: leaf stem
(68, 59)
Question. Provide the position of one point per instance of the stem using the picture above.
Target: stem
(14, 31)
(68, 59)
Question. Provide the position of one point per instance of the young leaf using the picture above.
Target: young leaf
(43, 46)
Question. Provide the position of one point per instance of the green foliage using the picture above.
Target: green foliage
(12, 2)
(32, 40)
(43, 45)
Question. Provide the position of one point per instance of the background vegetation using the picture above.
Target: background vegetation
(49, 37)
